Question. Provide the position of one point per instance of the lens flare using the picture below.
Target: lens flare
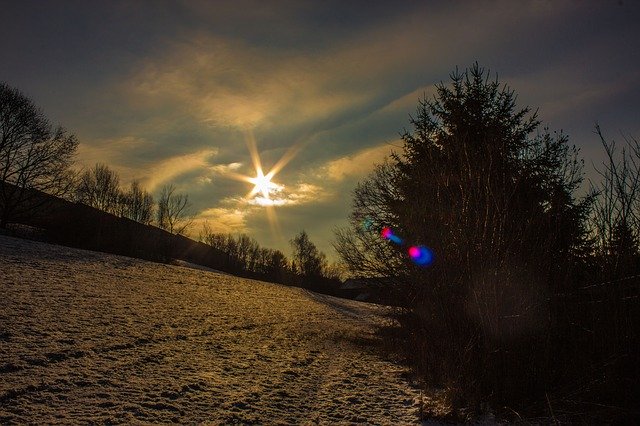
(388, 234)
(421, 255)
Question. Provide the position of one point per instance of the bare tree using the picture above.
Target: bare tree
(359, 245)
(245, 254)
(173, 213)
(137, 204)
(33, 156)
(216, 240)
(615, 218)
(308, 261)
(99, 187)
(336, 271)
(246, 248)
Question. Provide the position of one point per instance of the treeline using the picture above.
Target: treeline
(531, 307)
(308, 268)
(99, 187)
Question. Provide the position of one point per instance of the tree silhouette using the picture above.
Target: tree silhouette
(137, 204)
(33, 155)
(616, 215)
(308, 261)
(245, 254)
(276, 265)
(359, 245)
(173, 213)
(99, 187)
(491, 193)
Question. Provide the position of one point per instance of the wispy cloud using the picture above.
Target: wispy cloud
(171, 168)
(358, 164)
(226, 82)
(223, 219)
(109, 149)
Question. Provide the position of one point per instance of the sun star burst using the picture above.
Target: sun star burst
(265, 192)
(262, 184)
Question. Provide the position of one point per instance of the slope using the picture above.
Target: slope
(92, 337)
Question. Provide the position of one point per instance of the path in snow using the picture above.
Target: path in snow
(91, 337)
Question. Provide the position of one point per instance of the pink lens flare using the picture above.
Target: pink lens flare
(386, 232)
(414, 252)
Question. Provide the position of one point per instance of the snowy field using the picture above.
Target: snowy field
(87, 337)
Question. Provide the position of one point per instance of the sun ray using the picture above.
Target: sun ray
(284, 160)
(273, 221)
(263, 186)
(250, 140)
(237, 176)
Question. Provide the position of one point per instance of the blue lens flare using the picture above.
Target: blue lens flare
(395, 239)
(421, 255)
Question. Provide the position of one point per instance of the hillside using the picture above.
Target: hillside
(92, 337)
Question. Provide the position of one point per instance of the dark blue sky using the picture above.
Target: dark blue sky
(170, 92)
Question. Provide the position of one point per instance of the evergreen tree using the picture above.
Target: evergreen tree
(492, 194)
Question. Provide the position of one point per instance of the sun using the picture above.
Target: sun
(262, 184)
(265, 192)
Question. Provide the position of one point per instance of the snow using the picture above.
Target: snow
(88, 337)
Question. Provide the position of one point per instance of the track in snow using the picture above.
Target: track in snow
(92, 337)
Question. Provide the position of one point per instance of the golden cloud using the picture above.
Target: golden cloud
(223, 219)
(229, 83)
(111, 152)
(170, 168)
(358, 164)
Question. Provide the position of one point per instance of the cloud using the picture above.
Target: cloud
(227, 82)
(306, 193)
(225, 169)
(237, 214)
(224, 219)
(358, 164)
(166, 170)
(210, 82)
(107, 150)
(280, 195)
(115, 153)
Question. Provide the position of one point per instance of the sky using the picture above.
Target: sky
(177, 92)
